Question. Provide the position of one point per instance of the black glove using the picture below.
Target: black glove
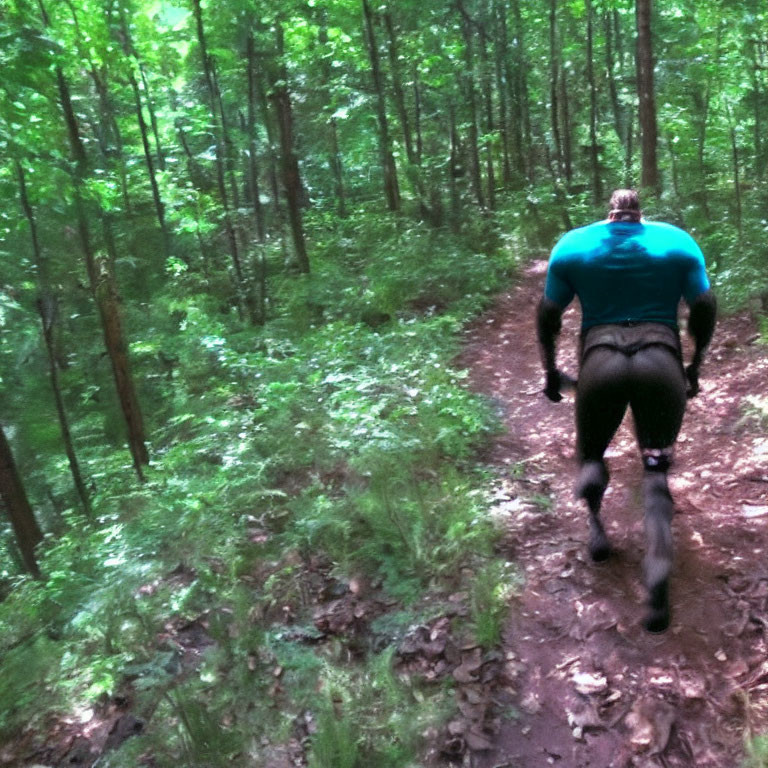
(692, 376)
(557, 380)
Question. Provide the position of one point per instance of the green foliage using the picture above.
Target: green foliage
(757, 752)
(341, 438)
(493, 585)
(335, 742)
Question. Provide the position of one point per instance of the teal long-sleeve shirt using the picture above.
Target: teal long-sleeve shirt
(626, 272)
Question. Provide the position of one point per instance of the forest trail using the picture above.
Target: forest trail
(595, 689)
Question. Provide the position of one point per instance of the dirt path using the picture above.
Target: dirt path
(594, 689)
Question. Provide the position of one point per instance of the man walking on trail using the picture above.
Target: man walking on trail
(629, 275)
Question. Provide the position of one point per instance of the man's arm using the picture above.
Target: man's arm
(548, 325)
(701, 326)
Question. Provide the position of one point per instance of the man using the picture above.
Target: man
(629, 275)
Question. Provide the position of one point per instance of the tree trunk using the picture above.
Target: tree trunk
(469, 83)
(114, 341)
(736, 176)
(391, 188)
(675, 173)
(649, 178)
(226, 138)
(567, 131)
(152, 118)
(701, 102)
(414, 171)
(554, 87)
(253, 169)
(560, 196)
(130, 51)
(397, 88)
(417, 113)
(148, 159)
(25, 527)
(334, 159)
(242, 289)
(337, 166)
(272, 171)
(490, 126)
(289, 162)
(758, 67)
(500, 46)
(454, 170)
(46, 307)
(613, 60)
(101, 276)
(522, 100)
(597, 184)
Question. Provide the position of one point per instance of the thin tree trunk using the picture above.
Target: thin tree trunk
(469, 81)
(736, 176)
(490, 126)
(272, 171)
(228, 144)
(758, 66)
(610, 68)
(397, 88)
(152, 118)
(148, 159)
(675, 172)
(114, 341)
(554, 86)
(242, 289)
(597, 184)
(289, 161)
(46, 307)
(253, 169)
(335, 159)
(500, 45)
(391, 187)
(337, 166)
(25, 527)
(647, 98)
(621, 114)
(567, 131)
(453, 169)
(414, 171)
(560, 196)
(130, 51)
(417, 113)
(523, 100)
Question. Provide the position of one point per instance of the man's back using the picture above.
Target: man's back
(626, 271)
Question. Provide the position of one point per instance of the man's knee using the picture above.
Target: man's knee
(593, 480)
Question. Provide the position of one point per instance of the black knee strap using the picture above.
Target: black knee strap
(657, 462)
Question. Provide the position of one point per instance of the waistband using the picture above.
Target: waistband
(630, 337)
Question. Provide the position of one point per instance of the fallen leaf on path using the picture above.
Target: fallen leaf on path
(590, 683)
(467, 671)
(692, 687)
(477, 740)
(650, 722)
(582, 715)
(750, 511)
(530, 703)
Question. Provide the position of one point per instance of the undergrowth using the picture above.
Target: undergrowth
(338, 439)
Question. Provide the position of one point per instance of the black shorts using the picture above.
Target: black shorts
(639, 366)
